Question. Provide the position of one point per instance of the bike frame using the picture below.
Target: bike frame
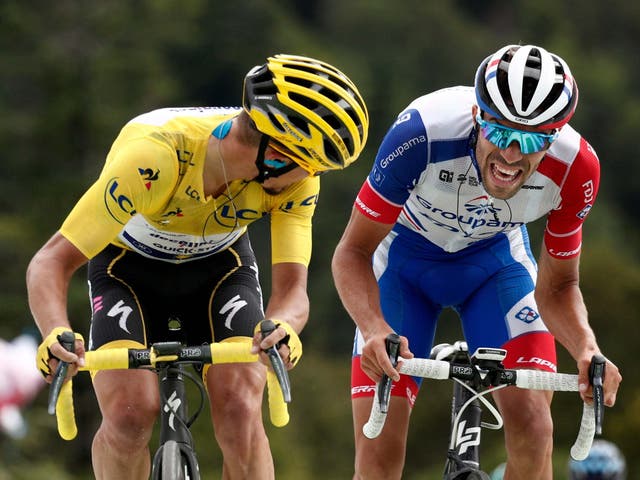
(463, 456)
(174, 422)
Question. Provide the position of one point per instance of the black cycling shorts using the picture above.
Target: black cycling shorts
(143, 300)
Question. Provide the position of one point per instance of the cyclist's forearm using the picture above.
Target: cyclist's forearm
(358, 290)
(48, 277)
(562, 307)
(292, 308)
(354, 276)
(565, 314)
(289, 301)
(47, 293)
(566, 317)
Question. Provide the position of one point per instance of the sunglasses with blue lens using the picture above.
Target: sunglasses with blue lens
(276, 164)
(502, 137)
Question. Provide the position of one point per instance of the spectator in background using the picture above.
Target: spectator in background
(498, 472)
(604, 462)
(20, 382)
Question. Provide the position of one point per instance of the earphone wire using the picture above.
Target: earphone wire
(230, 199)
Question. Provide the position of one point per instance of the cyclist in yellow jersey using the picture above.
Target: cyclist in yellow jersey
(164, 232)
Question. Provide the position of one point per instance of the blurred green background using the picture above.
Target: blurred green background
(73, 72)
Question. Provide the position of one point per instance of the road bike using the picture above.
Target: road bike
(475, 376)
(175, 458)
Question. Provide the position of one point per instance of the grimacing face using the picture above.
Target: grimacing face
(504, 171)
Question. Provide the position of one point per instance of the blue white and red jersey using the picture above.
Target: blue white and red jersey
(453, 245)
(425, 178)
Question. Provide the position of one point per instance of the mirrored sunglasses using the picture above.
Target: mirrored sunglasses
(502, 137)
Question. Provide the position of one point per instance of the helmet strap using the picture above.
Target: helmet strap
(266, 171)
(473, 142)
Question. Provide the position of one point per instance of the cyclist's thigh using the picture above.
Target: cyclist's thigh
(118, 319)
(234, 304)
(137, 389)
(116, 307)
(525, 410)
(234, 308)
(503, 311)
(406, 309)
(236, 390)
(405, 304)
(390, 445)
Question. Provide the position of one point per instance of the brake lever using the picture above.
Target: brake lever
(392, 344)
(67, 340)
(596, 378)
(266, 327)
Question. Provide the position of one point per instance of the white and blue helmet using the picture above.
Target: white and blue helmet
(526, 85)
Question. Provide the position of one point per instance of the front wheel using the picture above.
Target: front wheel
(175, 461)
(467, 474)
(478, 476)
(173, 466)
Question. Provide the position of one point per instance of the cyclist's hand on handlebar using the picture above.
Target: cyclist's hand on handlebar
(375, 360)
(286, 340)
(51, 352)
(611, 380)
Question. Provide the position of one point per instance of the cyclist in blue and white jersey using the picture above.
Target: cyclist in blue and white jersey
(441, 222)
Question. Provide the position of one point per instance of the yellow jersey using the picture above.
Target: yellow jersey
(149, 197)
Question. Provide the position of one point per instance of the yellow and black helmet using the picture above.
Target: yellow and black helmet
(311, 108)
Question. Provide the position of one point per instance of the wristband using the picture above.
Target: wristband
(44, 354)
(291, 340)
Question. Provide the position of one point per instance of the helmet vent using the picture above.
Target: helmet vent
(351, 112)
(331, 153)
(300, 124)
(332, 121)
(304, 101)
(275, 122)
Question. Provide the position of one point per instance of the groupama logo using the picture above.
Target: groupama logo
(480, 206)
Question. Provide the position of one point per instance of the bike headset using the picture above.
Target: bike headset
(308, 107)
(604, 462)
